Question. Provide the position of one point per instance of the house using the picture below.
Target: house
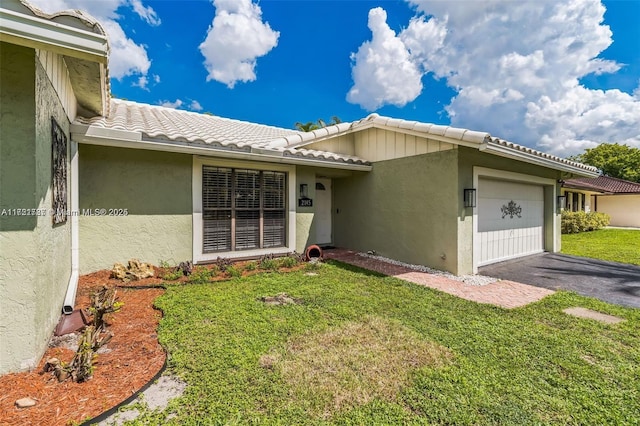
(618, 198)
(88, 181)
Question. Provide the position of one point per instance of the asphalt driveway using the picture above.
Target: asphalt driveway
(609, 281)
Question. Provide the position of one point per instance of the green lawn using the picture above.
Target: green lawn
(362, 349)
(616, 245)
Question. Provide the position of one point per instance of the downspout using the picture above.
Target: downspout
(70, 298)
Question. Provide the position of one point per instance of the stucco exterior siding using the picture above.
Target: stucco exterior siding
(155, 190)
(35, 254)
(624, 209)
(403, 209)
(305, 226)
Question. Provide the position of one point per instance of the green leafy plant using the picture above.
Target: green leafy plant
(201, 274)
(250, 266)
(268, 262)
(575, 222)
(289, 262)
(234, 271)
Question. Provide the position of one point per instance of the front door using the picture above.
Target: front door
(323, 211)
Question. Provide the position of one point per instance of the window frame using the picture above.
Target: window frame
(199, 256)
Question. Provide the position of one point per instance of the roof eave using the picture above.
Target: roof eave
(127, 139)
(30, 31)
(511, 153)
(422, 134)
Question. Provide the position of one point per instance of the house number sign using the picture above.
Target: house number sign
(305, 202)
(511, 210)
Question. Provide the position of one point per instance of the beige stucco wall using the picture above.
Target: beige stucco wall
(624, 209)
(154, 188)
(403, 209)
(35, 258)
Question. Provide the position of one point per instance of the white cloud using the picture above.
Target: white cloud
(583, 118)
(126, 56)
(235, 39)
(516, 67)
(382, 70)
(146, 13)
(168, 104)
(142, 83)
(195, 106)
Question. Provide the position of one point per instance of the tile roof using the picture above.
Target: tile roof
(161, 124)
(469, 136)
(158, 123)
(604, 184)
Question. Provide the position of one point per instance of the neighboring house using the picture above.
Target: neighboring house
(130, 180)
(618, 198)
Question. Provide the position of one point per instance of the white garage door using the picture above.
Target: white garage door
(510, 220)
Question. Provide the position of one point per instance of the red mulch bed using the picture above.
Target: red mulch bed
(135, 357)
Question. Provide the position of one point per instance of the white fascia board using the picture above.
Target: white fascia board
(38, 33)
(506, 152)
(128, 139)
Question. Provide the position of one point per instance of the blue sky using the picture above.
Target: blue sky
(559, 76)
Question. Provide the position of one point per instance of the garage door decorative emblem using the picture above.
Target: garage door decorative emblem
(511, 209)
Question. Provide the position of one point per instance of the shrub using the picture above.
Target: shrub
(250, 266)
(575, 222)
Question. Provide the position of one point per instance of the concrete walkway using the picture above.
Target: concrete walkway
(503, 293)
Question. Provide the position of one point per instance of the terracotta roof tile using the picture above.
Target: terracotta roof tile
(604, 184)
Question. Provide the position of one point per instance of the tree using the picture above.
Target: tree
(614, 160)
(310, 125)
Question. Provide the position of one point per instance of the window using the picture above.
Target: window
(242, 209)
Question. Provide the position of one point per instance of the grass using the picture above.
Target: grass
(615, 245)
(360, 348)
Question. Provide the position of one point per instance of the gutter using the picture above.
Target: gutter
(534, 159)
(127, 139)
(38, 33)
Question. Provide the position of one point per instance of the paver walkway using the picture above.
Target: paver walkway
(506, 294)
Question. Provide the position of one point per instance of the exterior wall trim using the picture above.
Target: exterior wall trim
(198, 162)
(516, 177)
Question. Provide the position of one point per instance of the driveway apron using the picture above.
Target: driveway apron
(612, 282)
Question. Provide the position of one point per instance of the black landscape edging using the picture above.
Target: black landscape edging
(114, 410)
